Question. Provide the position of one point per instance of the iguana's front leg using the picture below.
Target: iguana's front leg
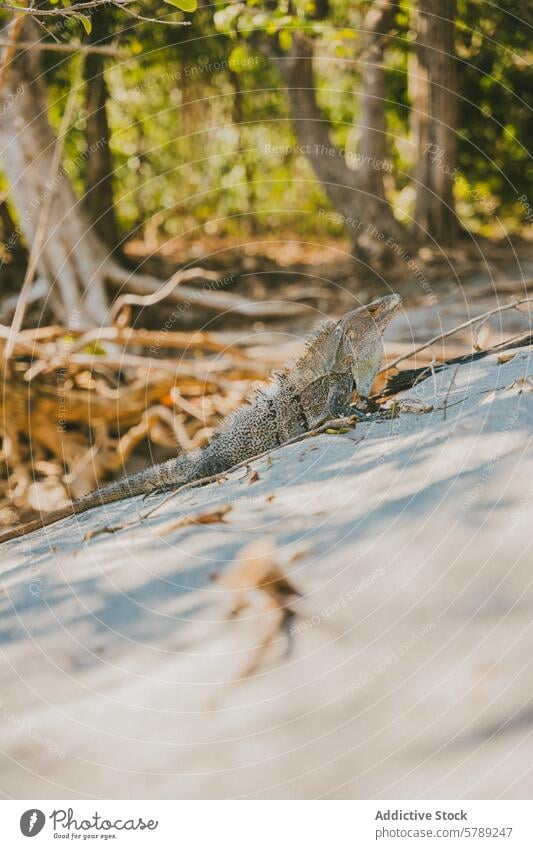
(340, 393)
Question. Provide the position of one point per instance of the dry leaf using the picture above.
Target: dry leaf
(107, 529)
(504, 358)
(208, 518)
(257, 583)
(525, 384)
(258, 568)
(254, 477)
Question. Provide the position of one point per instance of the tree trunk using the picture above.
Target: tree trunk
(373, 150)
(312, 129)
(358, 194)
(72, 257)
(245, 159)
(434, 95)
(99, 171)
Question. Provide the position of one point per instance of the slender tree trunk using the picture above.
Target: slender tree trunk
(373, 149)
(312, 128)
(248, 169)
(99, 172)
(358, 194)
(434, 95)
(72, 256)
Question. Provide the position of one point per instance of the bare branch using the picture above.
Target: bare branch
(452, 381)
(72, 11)
(63, 48)
(478, 318)
(156, 20)
(208, 298)
(62, 12)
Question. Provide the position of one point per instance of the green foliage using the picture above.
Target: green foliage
(184, 5)
(496, 102)
(86, 23)
(201, 136)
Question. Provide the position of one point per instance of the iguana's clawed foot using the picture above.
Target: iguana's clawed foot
(355, 415)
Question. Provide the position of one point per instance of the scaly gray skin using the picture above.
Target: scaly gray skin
(341, 357)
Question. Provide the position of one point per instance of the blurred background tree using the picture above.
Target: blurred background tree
(408, 119)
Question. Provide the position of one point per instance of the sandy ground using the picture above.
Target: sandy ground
(403, 671)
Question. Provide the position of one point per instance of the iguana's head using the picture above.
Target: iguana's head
(361, 346)
(372, 317)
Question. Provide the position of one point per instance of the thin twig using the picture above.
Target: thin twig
(21, 345)
(156, 20)
(351, 421)
(209, 298)
(63, 48)
(62, 12)
(433, 375)
(155, 297)
(180, 340)
(451, 332)
(452, 381)
(182, 369)
(41, 24)
(409, 378)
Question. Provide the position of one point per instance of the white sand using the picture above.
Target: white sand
(409, 671)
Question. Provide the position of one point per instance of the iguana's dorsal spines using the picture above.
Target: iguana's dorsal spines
(318, 355)
(320, 335)
(315, 348)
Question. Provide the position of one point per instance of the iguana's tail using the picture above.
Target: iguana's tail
(182, 469)
(126, 488)
(36, 524)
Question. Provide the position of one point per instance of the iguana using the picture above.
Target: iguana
(341, 357)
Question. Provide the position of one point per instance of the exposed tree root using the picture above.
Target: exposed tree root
(210, 297)
(75, 407)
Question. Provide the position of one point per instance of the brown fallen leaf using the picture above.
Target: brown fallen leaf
(257, 568)
(208, 518)
(525, 384)
(107, 529)
(257, 583)
(504, 358)
(253, 477)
